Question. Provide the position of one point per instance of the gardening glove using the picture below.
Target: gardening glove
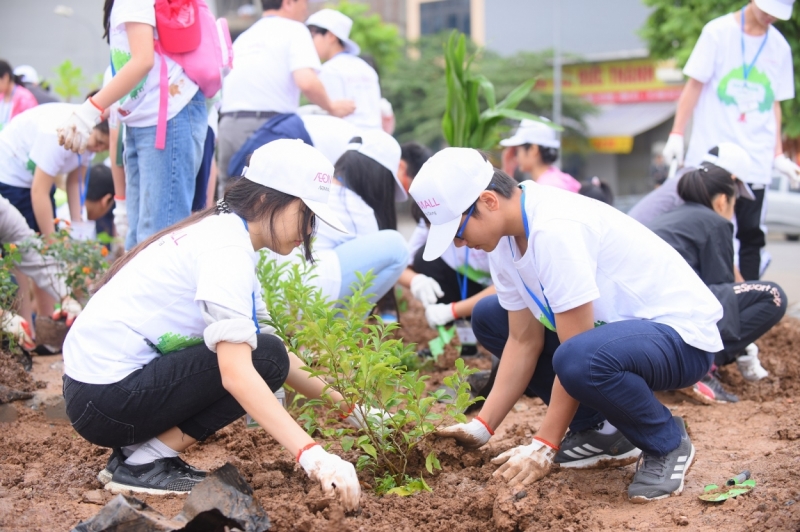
(74, 133)
(674, 149)
(526, 463)
(358, 421)
(470, 435)
(334, 474)
(787, 167)
(439, 314)
(426, 289)
(121, 218)
(17, 327)
(68, 309)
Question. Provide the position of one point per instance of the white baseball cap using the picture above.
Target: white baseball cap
(337, 23)
(733, 159)
(27, 73)
(295, 168)
(446, 185)
(533, 132)
(383, 149)
(780, 9)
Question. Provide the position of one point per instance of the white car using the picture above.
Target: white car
(783, 208)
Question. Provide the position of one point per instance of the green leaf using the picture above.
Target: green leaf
(370, 450)
(347, 443)
(431, 462)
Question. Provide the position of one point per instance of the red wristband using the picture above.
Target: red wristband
(675, 133)
(119, 198)
(94, 103)
(453, 310)
(347, 414)
(555, 447)
(485, 424)
(304, 449)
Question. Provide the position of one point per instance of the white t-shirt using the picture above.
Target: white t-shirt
(582, 250)
(30, 141)
(139, 108)
(347, 76)
(192, 286)
(264, 58)
(730, 108)
(329, 134)
(359, 220)
(476, 266)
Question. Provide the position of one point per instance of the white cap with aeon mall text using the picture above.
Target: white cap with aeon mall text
(337, 23)
(780, 9)
(293, 167)
(733, 159)
(446, 186)
(533, 132)
(382, 148)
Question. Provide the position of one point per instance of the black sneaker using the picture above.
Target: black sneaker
(163, 476)
(588, 449)
(658, 477)
(116, 458)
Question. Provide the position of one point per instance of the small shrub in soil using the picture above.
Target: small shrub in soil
(8, 296)
(362, 360)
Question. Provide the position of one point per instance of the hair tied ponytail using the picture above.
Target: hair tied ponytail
(223, 207)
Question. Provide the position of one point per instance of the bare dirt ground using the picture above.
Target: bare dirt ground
(47, 472)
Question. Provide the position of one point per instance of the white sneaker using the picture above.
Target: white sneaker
(749, 365)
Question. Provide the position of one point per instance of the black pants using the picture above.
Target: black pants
(762, 304)
(182, 389)
(751, 237)
(445, 276)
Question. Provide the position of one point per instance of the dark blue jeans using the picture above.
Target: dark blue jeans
(182, 389)
(614, 368)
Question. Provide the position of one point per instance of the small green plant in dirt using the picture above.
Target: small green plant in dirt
(359, 357)
(69, 79)
(8, 293)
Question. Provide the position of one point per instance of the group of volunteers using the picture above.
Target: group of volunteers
(581, 305)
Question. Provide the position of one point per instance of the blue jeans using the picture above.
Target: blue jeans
(160, 183)
(614, 368)
(384, 252)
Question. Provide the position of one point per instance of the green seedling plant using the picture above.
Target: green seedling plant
(8, 294)
(69, 79)
(359, 357)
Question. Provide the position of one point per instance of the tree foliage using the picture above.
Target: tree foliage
(674, 26)
(380, 40)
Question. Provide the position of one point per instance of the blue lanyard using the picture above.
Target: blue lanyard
(84, 185)
(746, 69)
(255, 319)
(545, 308)
(462, 278)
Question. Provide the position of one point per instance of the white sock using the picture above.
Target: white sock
(607, 428)
(130, 449)
(150, 451)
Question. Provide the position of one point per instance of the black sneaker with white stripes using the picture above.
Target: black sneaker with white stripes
(161, 477)
(658, 477)
(116, 458)
(588, 449)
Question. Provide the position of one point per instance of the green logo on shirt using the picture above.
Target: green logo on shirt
(751, 94)
(31, 166)
(119, 59)
(170, 342)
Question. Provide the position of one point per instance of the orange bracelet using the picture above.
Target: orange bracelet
(554, 447)
(485, 424)
(453, 309)
(348, 413)
(91, 100)
(304, 449)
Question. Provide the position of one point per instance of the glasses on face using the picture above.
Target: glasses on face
(463, 226)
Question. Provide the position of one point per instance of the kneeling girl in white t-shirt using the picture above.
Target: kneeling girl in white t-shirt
(593, 313)
(171, 348)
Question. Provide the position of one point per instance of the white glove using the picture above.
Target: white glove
(674, 149)
(17, 327)
(787, 167)
(69, 309)
(526, 463)
(470, 435)
(334, 474)
(74, 133)
(439, 314)
(426, 289)
(357, 420)
(121, 218)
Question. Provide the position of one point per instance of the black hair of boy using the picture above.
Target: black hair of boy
(415, 155)
(101, 184)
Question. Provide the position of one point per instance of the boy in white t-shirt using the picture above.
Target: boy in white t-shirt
(739, 72)
(593, 313)
(344, 74)
(275, 62)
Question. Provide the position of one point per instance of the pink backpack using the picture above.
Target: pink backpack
(206, 65)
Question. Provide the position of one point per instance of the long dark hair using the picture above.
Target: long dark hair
(372, 181)
(5, 68)
(107, 7)
(703, 184)
(251, 201)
